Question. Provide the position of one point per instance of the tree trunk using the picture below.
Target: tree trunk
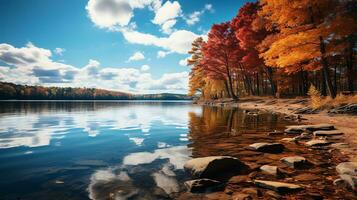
(271, 81)
(246, 87)
(227, 89)
(257, 83)
(349, 67)
(325, 69)
(301, 82)
(323, 83)
(230, 84)
(335, 79)
(249, 82)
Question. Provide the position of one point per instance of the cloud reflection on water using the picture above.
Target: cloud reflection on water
(177, 156)
(118, 182)
(35, 129)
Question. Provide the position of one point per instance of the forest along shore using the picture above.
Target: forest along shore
(297, 109)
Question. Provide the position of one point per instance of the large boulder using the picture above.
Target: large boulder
(349, 168)
(215, 167)
(295, 161)
(279, 187)
(203, 185)
(267, 147)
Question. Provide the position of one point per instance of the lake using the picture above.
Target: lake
(118, 150)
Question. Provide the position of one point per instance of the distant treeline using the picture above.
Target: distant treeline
(10, 91)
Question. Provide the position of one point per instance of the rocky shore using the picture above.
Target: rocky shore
(298, 110)
(314, 159)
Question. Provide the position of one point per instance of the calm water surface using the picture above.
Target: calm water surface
(112, 150)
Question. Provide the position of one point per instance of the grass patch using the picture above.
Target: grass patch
(319, 102)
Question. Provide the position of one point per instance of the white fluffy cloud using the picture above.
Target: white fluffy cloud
(209, 7)
(115, 15)
(166, 15)
(183, 62)
(111, 13)
(33, 65)
(163, 54)
(108, 13)
(28, 55)
(170, 10)
(136, 56)
(167, 26)
(131, 79)
(59, 51)
(179, 41)
(145, 68)
(194, 17)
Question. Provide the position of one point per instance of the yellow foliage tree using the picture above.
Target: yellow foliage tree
(304, 29)
(196, 80)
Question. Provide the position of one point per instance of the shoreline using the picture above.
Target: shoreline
(347, 123)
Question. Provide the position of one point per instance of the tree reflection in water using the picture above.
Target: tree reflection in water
(225, 131)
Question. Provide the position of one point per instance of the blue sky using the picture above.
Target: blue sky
(85, 43)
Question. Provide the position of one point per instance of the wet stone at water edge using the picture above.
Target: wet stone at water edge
(295, 161)
(267, 147)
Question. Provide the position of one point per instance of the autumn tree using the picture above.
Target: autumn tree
(221, 54)
(197, 77)
(306, 27)
(250, 35)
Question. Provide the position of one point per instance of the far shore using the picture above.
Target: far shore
(288, 107)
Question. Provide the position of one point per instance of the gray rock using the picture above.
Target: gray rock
(294, 161)
(294, 129)
(303, 136)
(349, 168)
(203, 185)
(346, 181)
(215, 167)
(345, 109)
(297, 129)
(317, 142)
(316, 127)
(279, 187)
(267, 147)
(328, 133)
(273, 170)
(306, 110)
